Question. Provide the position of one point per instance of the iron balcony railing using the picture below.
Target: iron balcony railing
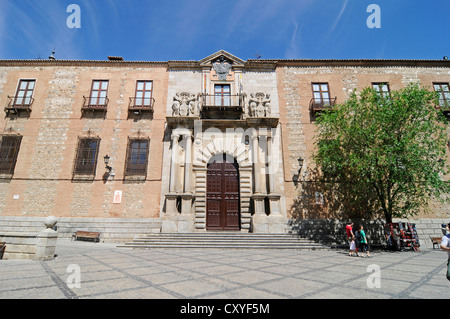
(222, 102)
(95, 103)
(321, 104)
(19, 103)
(141, 104)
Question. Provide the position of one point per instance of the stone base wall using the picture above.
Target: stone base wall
(112, 230)
(19, 245)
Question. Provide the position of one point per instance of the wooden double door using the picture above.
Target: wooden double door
(222, 194)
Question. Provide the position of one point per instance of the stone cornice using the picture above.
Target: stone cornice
(87, 63)
(248, 65)
(358, 63)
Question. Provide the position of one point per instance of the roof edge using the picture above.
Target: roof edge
(249, 64)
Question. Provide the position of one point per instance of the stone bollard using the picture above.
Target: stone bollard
(46, 240)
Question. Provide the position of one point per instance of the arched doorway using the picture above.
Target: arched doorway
(222, 194)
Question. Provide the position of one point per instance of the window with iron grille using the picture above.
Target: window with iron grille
(86, 159)
(382, 89)
(444, 93)
(9, 149)
(24, 93)
(137, 157)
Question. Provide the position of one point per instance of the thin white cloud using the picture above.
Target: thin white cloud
(292, 52)
(338, 18)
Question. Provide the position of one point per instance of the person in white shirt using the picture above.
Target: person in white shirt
(445, 245)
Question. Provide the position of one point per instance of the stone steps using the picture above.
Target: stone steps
(221, 240)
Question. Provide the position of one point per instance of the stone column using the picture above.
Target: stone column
(270, 168)
(186, 197)
(274, 198)
(173, 168)
(277, 223)
(171, 197)
(259, 219)
(188, 164)
(256, 170)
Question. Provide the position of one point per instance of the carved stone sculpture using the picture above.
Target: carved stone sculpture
(222, 68)
(259, 105)
(184, 104)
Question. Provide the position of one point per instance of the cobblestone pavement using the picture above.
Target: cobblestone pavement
(95, 270)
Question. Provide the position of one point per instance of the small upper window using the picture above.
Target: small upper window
(444, 93)
(382, 89)
(99, 93)
(24, 94)
(144, 91)
(321, 92)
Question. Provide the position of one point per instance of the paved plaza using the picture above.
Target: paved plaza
(87, 270)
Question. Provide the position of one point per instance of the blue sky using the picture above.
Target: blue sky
(148, 30)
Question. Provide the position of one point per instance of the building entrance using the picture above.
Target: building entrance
(222, 194)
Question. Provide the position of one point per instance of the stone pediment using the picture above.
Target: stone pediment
(209, 60)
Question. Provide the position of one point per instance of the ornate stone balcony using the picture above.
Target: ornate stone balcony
(221, 106)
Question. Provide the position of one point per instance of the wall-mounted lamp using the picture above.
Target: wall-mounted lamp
(106, 159)
(300, 165)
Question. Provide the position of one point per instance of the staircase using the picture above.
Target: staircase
(222, 240)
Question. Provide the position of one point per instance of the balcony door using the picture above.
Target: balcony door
(222, 95)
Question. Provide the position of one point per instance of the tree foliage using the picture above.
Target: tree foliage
(389, 152)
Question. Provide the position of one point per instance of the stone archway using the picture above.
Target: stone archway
(205, 150)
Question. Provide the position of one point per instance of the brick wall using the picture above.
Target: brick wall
(298, 128)
(42, 184)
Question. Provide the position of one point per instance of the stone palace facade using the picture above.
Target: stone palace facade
(186, 146)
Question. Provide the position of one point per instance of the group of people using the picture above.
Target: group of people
(357, 241)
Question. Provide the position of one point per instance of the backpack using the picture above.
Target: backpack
(357, 236)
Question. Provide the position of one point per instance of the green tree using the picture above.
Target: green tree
(388, 151)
